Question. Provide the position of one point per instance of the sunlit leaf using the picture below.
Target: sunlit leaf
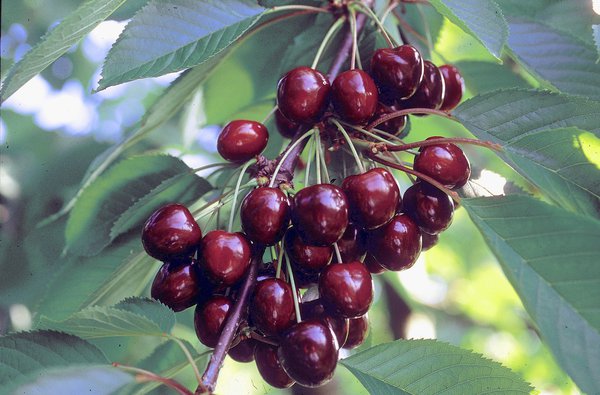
(477, 76)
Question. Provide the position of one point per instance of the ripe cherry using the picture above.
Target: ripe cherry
(303, 95)
(241, 140)
(209, 319)
(397, 71)
(272, 306)
(285, 127)
(445, 163)
(269, 367)
(177, 285)
(320, 214)
(455, 87)
(171, 233)
(373, 266)
(308, 352)
(354, 96)
(431, 91)
(310, 259)
(359, 328)
(346, 289)
(394, 126)
(265, 215)
(353, 244)
(428, 241)
(397, 245)
(224, 256)
(429, 207)
(243, 351)
(315, 309)
(372, 197)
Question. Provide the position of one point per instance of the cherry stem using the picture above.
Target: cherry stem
(322, 157)
(354, 50)
(287, 153)
(209, 378)
(269, 115)
(454, 140)
(332, 30)
(280, 259)
(144, 375)
(189, 357)
(262, 339)
(318, 156)
(310, 156)
(236, 193)
(375, 19)
(290, 273)
(298, 7)
(338, 255)
(359, 163)
(400, 113)
(388, 10)
(345, 48)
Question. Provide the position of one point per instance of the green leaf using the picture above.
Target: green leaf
(565, 61)
(532, 127)
(426, 22)
(597, 40)
(430, 367)
(48, 362)
(482, 19)
(477, 76)
(168, 36)
(91, 225)
(58, 41)
(133, 317)
(551, 258)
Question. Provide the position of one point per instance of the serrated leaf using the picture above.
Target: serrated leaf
(564, 61)
(110, 196)
(530, 125)
(430, 367)
(58, 41)
(133, 318)
(168, 36)
(32, 362)
(482, 19)
(551, 258)
(477, 76)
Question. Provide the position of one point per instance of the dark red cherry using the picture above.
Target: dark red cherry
(397, 71)
(224, 256)
(455, 87)
(241, 140)
(243, 351)
(272, 306)
(428, 241)
(286, 127)
(306, 257)
(359, 328)
(431, 91)
(354, 96)
(394, 126)
(315, 309)
(308, 352)
(209, 319)
(372, 197)
(171, 233)
(373, 266)
(304, 278)
(177, 285)
(353, 244)
(303, 95)
(429, 207)
(320, 214)
(346, 289)
(269, 367)
(397, 245)
(445, 163)
(265, 215)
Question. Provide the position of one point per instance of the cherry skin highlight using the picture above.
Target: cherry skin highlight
(241, 140)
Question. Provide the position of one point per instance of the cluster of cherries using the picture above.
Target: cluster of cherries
(333, 237)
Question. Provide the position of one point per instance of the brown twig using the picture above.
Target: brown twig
(408, 111)
(442, 140)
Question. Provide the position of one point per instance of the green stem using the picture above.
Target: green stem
(332, 30)
(296, 8)
(322, 158)
(354, 40)
(285, 155)
(236, 192)
(188, 356)
(359, 163)
(453, 140)
(338, 255)
(308, 162)
(280, 259)
(318, 156)
(294, 289)
(408, 111)
(374, 17)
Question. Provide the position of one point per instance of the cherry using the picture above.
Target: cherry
(241, 140)
(308, 352)
(431, 91)
(272, 306)
(286, 127)
(372, 197)
(243, 351)
(306, 257)
(177, 285)
(397, 71)
(397, 245)
(428, 241)
(304, 278)
(265, 215)
(354, 96)
(209, 319)
(394, 126)
(373, 266)
(445, 163)
(303, 95)
(269, 366)
(429, 207)
(357, 333)
(320, 214)
(353, 244)
(455, 86)
(224, 256)
(315, 309)
(171, 233)
(346, 289)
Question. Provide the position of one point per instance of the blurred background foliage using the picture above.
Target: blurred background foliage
(54, 127)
